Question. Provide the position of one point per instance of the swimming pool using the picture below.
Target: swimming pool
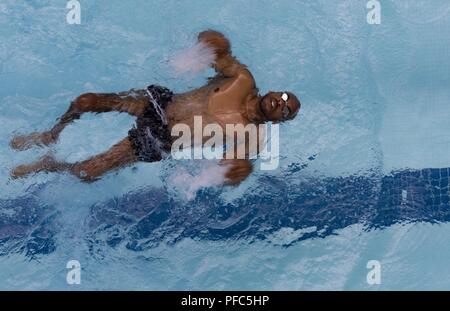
(364, 170)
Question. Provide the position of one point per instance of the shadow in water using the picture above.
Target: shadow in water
(315, 208)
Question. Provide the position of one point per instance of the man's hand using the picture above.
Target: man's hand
(238, 170)
(217, 41)
(224, 62)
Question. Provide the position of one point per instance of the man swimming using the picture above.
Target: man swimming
(231, 97)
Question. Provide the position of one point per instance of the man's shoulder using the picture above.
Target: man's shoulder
(245, 72)
(245, 76)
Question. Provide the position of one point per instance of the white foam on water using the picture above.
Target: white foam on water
(186, 184)
(193, 60)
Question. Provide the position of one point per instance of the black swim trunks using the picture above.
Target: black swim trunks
(151, 137)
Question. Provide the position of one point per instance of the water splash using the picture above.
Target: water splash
(192, 60)
(184, 181)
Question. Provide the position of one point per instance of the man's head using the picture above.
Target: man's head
(279, 106)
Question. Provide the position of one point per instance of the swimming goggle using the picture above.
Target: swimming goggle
(286, 110)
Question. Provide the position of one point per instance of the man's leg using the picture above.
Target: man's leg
(133, 104)
(118, 156)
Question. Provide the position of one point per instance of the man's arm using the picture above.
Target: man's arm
(225, 63)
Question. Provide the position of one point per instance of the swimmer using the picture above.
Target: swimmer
(231, 97)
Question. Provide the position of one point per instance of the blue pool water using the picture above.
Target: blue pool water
(364, 170)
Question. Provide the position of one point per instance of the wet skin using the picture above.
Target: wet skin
(231, 97)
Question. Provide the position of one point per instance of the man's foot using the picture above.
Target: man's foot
(47, 164)
(27, 141)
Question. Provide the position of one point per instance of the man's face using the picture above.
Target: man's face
(279, 106)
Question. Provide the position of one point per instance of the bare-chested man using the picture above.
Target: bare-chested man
(231, 97)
